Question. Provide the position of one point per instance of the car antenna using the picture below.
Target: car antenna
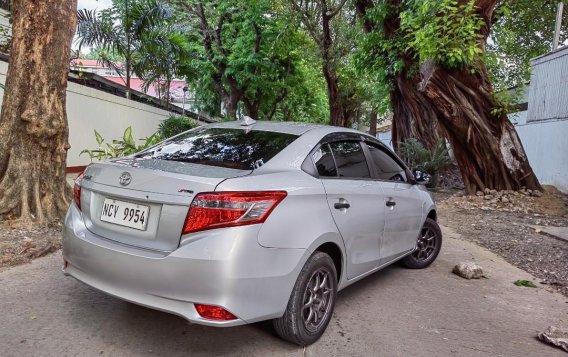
(247, 121)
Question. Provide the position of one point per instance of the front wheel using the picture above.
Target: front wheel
(312, 302)
(427, 248)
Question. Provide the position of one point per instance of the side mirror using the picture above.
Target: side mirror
(422, 178)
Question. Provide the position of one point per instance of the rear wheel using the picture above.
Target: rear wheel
(312, 302)
(428, 246)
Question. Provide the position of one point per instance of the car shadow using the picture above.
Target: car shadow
(125, 328)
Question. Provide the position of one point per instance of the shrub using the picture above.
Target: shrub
(122, 147)
(175, 124)
(419, 158)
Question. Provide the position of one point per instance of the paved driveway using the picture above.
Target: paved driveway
(396, 312)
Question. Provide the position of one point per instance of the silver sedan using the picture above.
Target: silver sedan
(234, 223)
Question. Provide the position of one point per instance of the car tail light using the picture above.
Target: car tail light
(214, 312)
(229, 209)
(77, 190)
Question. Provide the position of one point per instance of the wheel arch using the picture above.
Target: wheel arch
(432, 214)
(334, 251)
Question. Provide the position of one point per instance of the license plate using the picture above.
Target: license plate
(125, 214)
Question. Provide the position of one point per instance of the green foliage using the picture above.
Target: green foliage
(254, 49)
(429, 161)
(175, 124)
(120, 147)
(522, 30)
(525, 283)
(442, 31)
(141, 34)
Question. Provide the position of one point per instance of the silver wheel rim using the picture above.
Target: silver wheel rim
(317, 300)
(426, 245)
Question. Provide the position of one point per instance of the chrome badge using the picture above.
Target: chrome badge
(125, 178)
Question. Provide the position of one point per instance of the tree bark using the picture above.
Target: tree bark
(33, 122)
(487, 148)
(413, 114)
(336, 111)
(373, 123)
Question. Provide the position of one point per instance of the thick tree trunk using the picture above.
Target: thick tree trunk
(336, 112)
(459, 102)
(33, 123)
(486, 147)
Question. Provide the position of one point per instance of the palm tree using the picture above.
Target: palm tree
(121, 30)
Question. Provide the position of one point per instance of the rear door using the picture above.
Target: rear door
(401, 200)
(355, 201)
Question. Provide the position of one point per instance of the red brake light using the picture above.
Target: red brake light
(229, 209)
(77, 190)
(214, 312)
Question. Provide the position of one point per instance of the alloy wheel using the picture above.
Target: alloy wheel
(317, 300)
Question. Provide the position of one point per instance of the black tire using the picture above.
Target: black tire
(298, 325)
(428, 245)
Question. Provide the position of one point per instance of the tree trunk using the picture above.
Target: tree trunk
(413, 114)
(373, 123)
(458, 103)
(231, 102)
(336, 112)
(486, 147)
(33, 122)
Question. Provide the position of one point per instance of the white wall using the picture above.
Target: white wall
(89, 109)
(546, 145)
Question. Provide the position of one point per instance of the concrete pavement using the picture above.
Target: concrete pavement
(395, 312)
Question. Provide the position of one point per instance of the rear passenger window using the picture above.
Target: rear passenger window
(350, 159)
(324, 161)
(386, 168)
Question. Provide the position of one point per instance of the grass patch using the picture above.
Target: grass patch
(525, 283)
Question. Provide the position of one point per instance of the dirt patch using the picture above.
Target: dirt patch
(502, 228)
(20, 245)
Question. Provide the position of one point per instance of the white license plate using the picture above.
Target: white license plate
(125, 214)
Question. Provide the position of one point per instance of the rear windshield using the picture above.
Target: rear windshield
(230, 148)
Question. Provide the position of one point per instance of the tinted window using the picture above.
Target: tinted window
(350, 159)
(324, 161)
(386, 168)
(231, 148)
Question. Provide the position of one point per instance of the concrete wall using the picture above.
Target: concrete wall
(89, 109)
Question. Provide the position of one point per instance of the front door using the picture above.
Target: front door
(402, 202)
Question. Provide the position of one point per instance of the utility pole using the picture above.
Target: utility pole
(558, 25)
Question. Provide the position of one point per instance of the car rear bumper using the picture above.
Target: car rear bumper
(225, 267)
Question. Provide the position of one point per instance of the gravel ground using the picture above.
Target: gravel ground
(507, 234)
(18, 246)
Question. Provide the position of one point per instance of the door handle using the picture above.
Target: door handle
(391, 203)
(341, 205)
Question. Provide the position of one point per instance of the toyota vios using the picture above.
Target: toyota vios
(233, 223)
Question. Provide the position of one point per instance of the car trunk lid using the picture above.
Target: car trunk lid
(144, 203)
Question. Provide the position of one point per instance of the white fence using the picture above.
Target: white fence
(89, 109)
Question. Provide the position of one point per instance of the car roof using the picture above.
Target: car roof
(294, 128)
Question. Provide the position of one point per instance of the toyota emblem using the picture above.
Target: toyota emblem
(125, 179)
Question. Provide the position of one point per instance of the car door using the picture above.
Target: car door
(402, 202)
(354, 200)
